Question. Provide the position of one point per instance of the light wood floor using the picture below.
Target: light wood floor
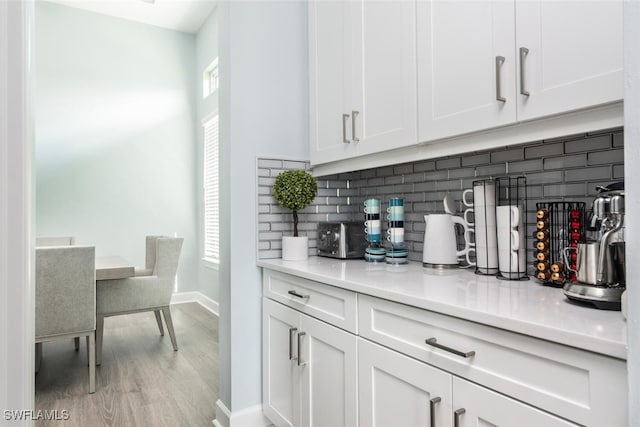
(142, 381)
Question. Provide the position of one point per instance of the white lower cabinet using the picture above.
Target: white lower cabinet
(396, 390)
(309, 368)
(477, 406)
(372, 362)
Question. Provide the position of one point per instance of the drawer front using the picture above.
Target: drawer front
(582, 386)
(333, 305)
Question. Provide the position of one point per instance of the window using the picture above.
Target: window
(211, 191)
(210, 79)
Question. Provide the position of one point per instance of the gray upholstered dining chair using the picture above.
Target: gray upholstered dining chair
(55, 241)
(149, 290)
(66, 298)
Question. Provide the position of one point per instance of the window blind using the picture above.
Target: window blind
(211, 191)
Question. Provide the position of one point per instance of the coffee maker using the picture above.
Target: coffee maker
(601, 277)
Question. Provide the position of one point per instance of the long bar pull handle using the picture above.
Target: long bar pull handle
(523, 53)
(292, 331)
(345, 117)
(434, 343)
(300, 335)
(432, 408)
(295, 294)
(354, 114)
(499, 61)
(456, 416)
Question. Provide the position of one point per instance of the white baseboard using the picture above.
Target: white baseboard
(195, 296)
(248, 417)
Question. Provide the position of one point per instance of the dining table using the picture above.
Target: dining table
(113, 267)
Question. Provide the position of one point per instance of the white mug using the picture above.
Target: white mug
(480, 197)
(372, 209)
(509, 239)
(512, 264)
(373, 226)
(395, 235)
(486, 259)
(509, 216)
(465, 216)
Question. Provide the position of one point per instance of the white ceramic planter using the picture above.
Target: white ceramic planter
(295, 248)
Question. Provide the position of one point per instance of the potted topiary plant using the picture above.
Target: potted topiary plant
(295, 190)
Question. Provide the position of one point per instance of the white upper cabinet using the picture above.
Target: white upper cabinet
(384, 79)
(330, 77)
(466, 66)
(362, 69)
(389, 74)
(571, 55)
(479, 68)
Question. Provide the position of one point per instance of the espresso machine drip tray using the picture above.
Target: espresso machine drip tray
(604, 297)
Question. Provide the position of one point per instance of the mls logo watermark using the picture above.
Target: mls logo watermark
(28, 414)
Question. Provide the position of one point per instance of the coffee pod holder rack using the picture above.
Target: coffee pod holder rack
(558, 225)
(513, 191)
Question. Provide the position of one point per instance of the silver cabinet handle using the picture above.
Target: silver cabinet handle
(295, 294)
(354, 114)
(499, 61)
(291, 332)
(432, 408)
(300, 335)
(523, 53)
(345, 117)
(434, 343)
(456, 416)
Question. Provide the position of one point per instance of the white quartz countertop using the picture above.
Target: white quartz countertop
(526, 307)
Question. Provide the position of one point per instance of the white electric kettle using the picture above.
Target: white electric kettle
(440, 248)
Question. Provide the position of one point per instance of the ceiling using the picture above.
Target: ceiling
(180, 15)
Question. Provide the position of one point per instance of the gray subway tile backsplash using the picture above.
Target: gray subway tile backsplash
(564, 168)
(600, 142)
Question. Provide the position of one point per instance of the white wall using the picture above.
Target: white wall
(264, 112)
(115, 134)
(632, 197)
(206, 52)
(16, 251)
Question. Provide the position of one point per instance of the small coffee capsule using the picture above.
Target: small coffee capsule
(542, 245)
(542, 266)
(542, 224)
(575, 225)
(542, 234)
(557, 277)
(542, 256)
(543, 275)
(575, 235)
(542, 213)
(557, 267)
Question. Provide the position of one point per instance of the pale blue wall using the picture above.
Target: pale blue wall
(264, 112)
(115, 116)
(206, 52)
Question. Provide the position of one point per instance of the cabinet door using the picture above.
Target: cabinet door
(329, 375)
(458, 73)
(477, 406)
(574, 57)
(384, 75)
(396, 390)
(330, 71)
(280, 370)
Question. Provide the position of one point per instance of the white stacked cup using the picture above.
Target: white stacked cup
(483, 207)
(511, 242)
